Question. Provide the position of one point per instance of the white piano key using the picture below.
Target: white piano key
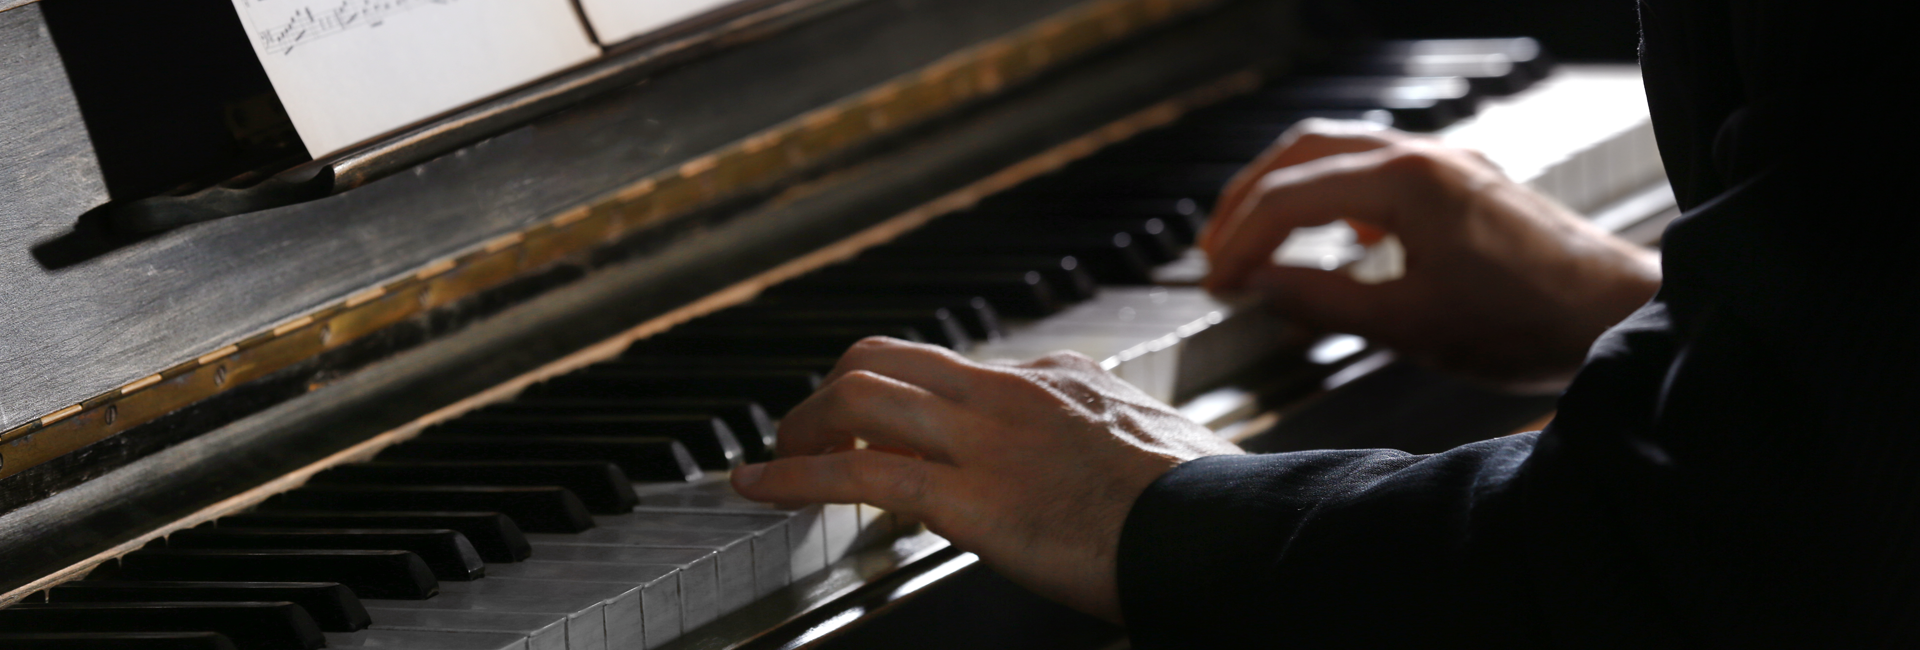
(772, 554)
(842, 530)
(541, 631)
(1583, 136)
(416, 640)
(813, 527)
(699, 577)
(584, 605)
(621, 619)
(876, 526)
(1168, 341)
(808, 534)
(734, 563)
(660, 607)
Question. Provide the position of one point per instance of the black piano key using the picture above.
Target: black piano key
(1195, 148)
(1153, 234)
(116, 641)
(1417, 103)
(819, 366)
(1495, 66)
(542, 509)
(975, 313)
(1013, 293)
(331, 604)
(1064, 274)
(448, 553)
(1112, 257)
(642, 458)
(398, 575)
(1237, 120)
(1241, 118)
(751, 425)
(1163, 238)
(493, 535)
(708, 438)
(600, 485)
(768, 340)
(251, 626)
(1485, 75)
(937, 325)
(778, 390)
(1184, 216)
(1149, 179)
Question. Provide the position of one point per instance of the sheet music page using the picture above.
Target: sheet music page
(618, 20)
(347, 70)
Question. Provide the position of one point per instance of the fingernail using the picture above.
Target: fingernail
(748, 474)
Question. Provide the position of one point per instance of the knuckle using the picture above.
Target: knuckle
(1312, 128)
(846, 392)
(1026, 386)
(1323, 130)
(1273, 182)
(1419, 164)
(902, 485)
(1071, 359)
(858, 385)
(1073, 356)
(870, 345)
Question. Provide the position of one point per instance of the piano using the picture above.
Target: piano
(476, 383)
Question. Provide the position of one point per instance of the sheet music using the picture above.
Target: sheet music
(347, 70)
(618, 20)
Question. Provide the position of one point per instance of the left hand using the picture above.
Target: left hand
(1033, 466)
(1502, 284)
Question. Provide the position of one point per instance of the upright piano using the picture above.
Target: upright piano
(475, 382)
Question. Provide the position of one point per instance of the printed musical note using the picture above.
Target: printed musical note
(305, 22)
(349, 70)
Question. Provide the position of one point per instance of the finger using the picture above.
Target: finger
(867, 406)
(1063, 359)
(1349, 186)
(931, 367)
(892, 482)
(1327, 300)
(1309, 140)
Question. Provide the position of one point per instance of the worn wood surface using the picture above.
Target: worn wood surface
(88, 328)
(655, 284)
(48, 176)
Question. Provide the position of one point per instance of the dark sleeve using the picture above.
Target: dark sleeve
(1516, 542)
(1740, 476)
(1325, 549)
(1734, 467)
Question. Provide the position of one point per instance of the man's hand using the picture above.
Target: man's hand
(1501, 283)
(1033, 466)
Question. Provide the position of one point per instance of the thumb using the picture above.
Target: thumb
(1330, 300)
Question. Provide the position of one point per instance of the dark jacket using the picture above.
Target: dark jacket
(1738, 464)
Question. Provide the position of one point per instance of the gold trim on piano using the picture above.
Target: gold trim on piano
(1055, 158)
(754, 163)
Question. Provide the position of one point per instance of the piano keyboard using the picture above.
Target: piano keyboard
(592, 512)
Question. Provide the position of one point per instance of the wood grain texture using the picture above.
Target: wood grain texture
(89, 328)
(670, 279)
(15, 4)
(48, 175)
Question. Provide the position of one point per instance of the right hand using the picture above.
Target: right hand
(1034, 465)
(1502, 283)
